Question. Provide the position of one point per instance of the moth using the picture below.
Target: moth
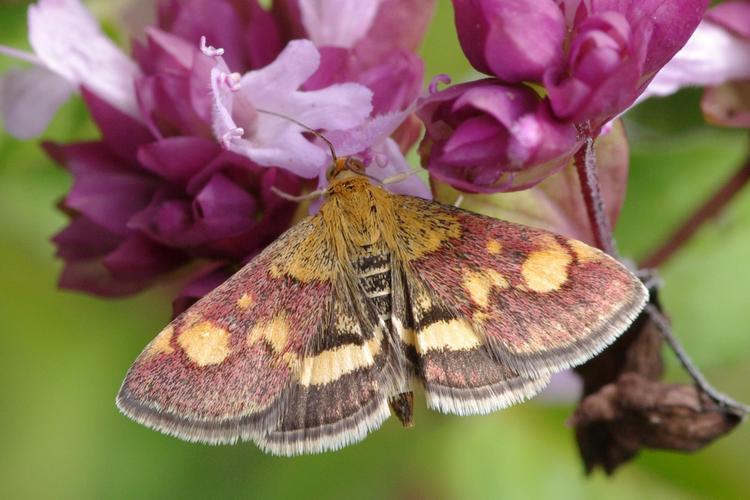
(327, 332)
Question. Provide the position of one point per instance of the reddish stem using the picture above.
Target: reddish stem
(585, 161)
(712, 207)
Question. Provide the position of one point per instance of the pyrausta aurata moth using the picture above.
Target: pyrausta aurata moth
(323, 335)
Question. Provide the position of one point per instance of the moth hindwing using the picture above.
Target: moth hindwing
(314, 342)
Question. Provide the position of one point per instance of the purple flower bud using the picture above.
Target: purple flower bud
(615, 49)
(487, 137)
(515, 40)
(594, 57)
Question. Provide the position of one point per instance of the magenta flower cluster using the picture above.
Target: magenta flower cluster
(193, 153)
(189, 165)
(560, 70)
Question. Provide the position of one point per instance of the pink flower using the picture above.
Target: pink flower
(515, 40)
(594, 57)
(184, 171)
(70, 51)
(485, 136)
(141, 207)
(272, 140)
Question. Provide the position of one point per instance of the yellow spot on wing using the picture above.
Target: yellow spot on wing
(205, 343)
(584, 253)
(275, 332)
(245, 301)
(405, 334)
(161, 343)
(453, 335)
(423, 227)
(546, 270)
(479, 284)
(303, 252)
(494, 247)
(329, 366)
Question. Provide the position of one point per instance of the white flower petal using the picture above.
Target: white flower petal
(373, 131)
(339, 106)
(338, 23)
(29, 99)
(710, 57)
(293, 66)
(68, 40)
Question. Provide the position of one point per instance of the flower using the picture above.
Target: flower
(369, 45)
(185, 172)
(556, 204)
(515, 40)
(70, 51)
(716, 56)
(593, 57)
(273, 140)
(172, 87)
(485, 136)
(142, 209)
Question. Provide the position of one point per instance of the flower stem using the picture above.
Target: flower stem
(700, 380)
(713, 206)
(585, 161)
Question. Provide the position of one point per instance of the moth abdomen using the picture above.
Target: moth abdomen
(373, 270)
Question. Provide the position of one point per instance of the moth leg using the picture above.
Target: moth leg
(399, 177)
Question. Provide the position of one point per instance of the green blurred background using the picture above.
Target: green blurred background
(63, 355)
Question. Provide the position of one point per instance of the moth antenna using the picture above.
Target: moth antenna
(309, 129)
(309, 196)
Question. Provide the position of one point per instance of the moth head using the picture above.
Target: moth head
(343, 165)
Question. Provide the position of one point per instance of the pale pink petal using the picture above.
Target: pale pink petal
(277, 141)
(68, 40)
(710, 57)
(338, 23)
(296, 63)
(373, 131)
(396, 164)
(29, 99)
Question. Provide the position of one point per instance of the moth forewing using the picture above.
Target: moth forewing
(303, 350)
